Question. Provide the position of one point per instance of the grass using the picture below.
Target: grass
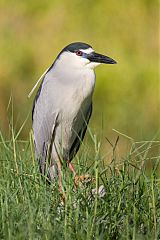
(32, 209)
(127, 31)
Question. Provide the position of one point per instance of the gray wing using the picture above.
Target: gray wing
(77, 142)
(44, 120)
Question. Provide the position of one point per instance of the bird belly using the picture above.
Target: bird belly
(76, 102)
(71, 124)
(68, 130)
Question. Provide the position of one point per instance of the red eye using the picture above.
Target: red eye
(78, 53)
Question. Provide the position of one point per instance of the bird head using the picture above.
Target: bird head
(76, 55)
(80, 54)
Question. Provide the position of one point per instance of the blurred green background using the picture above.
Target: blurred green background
(127, 95)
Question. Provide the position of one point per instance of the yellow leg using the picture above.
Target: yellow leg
(71, 167)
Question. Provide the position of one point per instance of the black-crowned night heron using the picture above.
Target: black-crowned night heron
(63, 106)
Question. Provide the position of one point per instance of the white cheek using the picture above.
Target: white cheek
(92, 65)
(71, 59)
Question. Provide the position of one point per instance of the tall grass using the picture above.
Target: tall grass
(32, 209)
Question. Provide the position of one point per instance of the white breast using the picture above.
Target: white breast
(77, 98)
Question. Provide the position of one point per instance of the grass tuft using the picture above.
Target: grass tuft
(32, 209)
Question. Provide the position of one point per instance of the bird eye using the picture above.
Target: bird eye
(78, 53)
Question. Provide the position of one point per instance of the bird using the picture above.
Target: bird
(62, 107)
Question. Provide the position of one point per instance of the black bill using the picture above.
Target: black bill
(96, 57)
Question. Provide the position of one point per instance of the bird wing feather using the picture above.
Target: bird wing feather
(80, 136)
(44, 119)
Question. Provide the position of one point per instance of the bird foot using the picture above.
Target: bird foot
(82, 180)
